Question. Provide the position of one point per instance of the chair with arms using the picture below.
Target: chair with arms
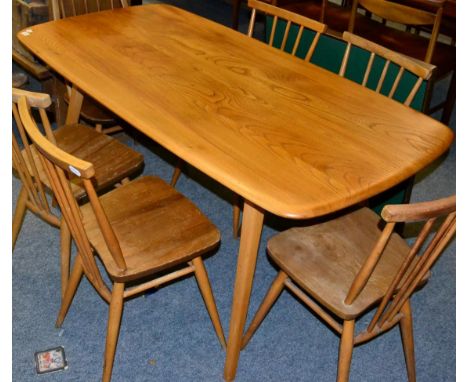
(347, 265)
(421, 13)
(114, 163)
(295, 25)
(141, 229)
(91, 111)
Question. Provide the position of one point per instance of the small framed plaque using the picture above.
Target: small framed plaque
(50, 360)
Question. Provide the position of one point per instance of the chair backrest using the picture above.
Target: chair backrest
(403, 14)
(291, 19)
(423, 253)
(66, 8)
(60, 168)
(421, 70)
(25, 158)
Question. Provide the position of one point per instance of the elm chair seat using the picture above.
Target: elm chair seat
(134, 211)
(324, 259)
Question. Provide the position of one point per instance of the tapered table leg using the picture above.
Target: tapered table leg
(252, 224)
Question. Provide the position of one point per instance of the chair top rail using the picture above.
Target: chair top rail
(419, 68)
(66, 161)
(399, 13)
(418, 211)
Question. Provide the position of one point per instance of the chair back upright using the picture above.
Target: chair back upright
(24, 158)
(60, 167)
(291, 19)
(66, 8)
(421, 70)
(422, 254)
(406, 15)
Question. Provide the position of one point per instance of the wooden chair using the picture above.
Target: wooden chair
(292, 20)
(91, 111)
(429, 13)
(140, 229)
(347, 265)
(114, 163)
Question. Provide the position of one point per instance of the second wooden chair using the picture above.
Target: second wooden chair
(114, 163)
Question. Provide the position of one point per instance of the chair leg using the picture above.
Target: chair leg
(207, 294)
(72, 286)
(177, 172)
(236, 207)
(18, 217)
(65, 249)
(236, 4)
(113, 328)
(271, 296)
(406, 329)
(449, 101)
(346, 351)
(99, 127)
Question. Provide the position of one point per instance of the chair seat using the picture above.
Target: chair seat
(95, 113)
(156, 226)
(112, 160)
(324, 259)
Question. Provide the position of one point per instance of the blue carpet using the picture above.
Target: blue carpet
(167, 335)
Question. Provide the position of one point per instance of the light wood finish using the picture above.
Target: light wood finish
(274, 170)
(291, 20)
(250, 237)
(346, 351)
(422, 70)
(290, 138)
(276, 288)
(236, 211)
(113, 162)
(91, 111)
(348, 264)
(406, 328)
(138, 230)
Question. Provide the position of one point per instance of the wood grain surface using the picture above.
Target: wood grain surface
(290, 137)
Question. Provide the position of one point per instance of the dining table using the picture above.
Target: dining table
(290, 138)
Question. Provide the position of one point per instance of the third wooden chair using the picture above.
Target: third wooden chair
(344, 266)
